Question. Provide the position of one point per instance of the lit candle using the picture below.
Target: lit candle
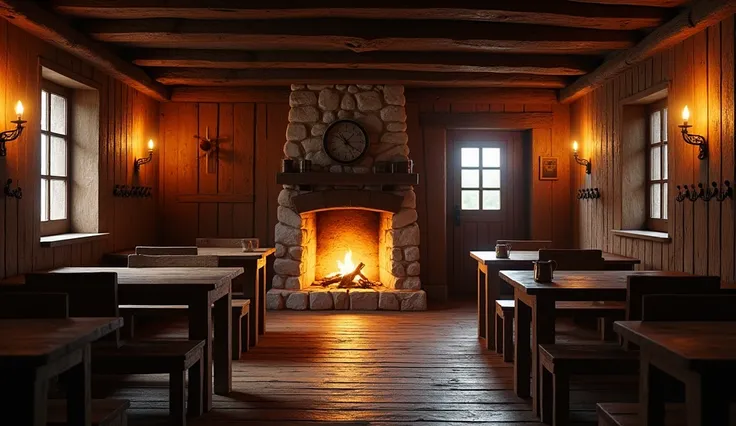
(575, 146)
(19, 109)
(685, 115)
(150, 144)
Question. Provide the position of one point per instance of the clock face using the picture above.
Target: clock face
(345, 141)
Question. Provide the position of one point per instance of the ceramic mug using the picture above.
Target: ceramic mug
(503, 251)
(544, 270)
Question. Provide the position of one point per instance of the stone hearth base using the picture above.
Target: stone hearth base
(318, 299)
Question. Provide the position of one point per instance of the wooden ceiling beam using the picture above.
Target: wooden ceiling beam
(356, 35)
(401, 61)
(548, 12)
(482, 95)
(283, 77)
(230, 94)
(646, 3)
(45, 25)
(699, 16)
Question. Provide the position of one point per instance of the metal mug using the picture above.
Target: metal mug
(544, 270)
(247, 245)
(503, 251)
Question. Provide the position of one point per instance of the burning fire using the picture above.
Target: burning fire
(344, 266)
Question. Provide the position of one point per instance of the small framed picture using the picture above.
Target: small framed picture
(548, 168)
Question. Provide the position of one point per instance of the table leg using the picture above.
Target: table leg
(651, 391)
(200, 328)
(706, 403)
(522, 348)
(252, 291)
(223, 349)
(482, 333)
(492, 294)
(78, 391)
(23, 396)
(543, 332)
(262, 284)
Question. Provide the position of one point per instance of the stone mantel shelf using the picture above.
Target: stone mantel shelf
(326, 178)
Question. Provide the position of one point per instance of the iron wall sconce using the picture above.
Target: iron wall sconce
(141, 161)
(581, 161)
(692, 139)
(588, 194)
(16, 193)
(13, 134)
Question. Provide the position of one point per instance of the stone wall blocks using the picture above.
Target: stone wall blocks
(292, 150)
(289, 217)
(313, 144)
(296, 253)
(280, 250)
(302, 98)
(404, 217)
(369, 101)
(320, 300)
(328, 100)
(411, 253)
(285, 197)
(295, 132)
(407, 236)
(298, 301)
(387, 301)
(274, 301)
(348, 102)
(303, 114)
(396, 138)
(318, 129)
(393, 113)
(288, 236)
(287, 267)
(340, 299)
(278, 281)
(328, 117)
(396, 127)
(413, 269)
(363, 300)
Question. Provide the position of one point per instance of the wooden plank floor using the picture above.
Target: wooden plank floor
(371, 368)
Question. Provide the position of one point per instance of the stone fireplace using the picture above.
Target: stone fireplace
(339, 216)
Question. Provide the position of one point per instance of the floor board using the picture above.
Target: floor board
(375, 368)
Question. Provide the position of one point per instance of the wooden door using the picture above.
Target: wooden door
(486, 199)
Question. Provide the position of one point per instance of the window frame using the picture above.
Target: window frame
(59, 226)
(480, 145)
(654, 224)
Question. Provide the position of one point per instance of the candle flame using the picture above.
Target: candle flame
(685, 114)
(575, 146)
(19, 109)
(150, 144)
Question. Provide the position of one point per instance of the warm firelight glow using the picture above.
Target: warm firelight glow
(685, 114)
(19, 109)
(150, 144)
(575, 146)
(346, 266)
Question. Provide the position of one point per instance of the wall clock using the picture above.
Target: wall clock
(345, 141)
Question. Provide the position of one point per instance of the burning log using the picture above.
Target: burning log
(347, 279)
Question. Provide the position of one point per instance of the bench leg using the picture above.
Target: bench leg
(508, 339)
(194, 390)
(245, 332)
(561, 399)
(128, 330)
(176, 398)
(499, 334)
(605, 328)
(545, 395)
(237, 343)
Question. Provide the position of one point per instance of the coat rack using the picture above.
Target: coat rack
(16, 193)
(588, 194)
(719, 193)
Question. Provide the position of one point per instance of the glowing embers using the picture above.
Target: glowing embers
(348, 275)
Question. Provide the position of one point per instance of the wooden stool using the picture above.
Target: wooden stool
(505, 329)
(558, 362)
(240, 327)
(105, 412)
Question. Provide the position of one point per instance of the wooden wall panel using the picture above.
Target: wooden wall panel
(700, 72)
(127, 120)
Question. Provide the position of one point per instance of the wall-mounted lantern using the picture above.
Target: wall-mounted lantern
(13, 134)
(581, 161)
(692, 139)
(141, 161)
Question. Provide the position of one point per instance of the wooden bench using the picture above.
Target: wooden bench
(33, 305)
(240, 325)
(627, 414)
(105, 412)
(505, 319)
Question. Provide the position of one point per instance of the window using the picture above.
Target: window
(480, 178)
(657, 193)
(55, 106)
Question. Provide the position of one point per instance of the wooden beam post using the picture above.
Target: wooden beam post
(698, 17)
(31, 17)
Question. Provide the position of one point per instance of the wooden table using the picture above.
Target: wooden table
(32, 351)
(700, 354)
(199, 288)
(535, 307)
(489, 284)
(254, 281)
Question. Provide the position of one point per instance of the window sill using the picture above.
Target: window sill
(659, 237)
(72, 238)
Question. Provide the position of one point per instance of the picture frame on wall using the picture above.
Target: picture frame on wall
(548, 168)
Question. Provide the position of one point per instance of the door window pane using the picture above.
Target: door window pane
(470, 179)
(664, 161)
(655, 163)
(469, 157)
(655, 201)
(44, 110)
(470, 200)
(656, 126)
(58, 199)
(58, 114)
(491, 157)
(492, 200)
(44, 154)
(664, 200)
(58, 156)
(44, 200)
(664, 125)
(491, 178)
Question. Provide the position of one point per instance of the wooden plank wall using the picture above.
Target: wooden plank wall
(128, 120)
(700, 71)
(239, 197)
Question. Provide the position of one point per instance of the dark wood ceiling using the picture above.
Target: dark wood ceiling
(461, 43)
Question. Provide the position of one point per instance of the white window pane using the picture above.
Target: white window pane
(665, 200)
(664, 162)
(655, 124)
(655, 163)
(58, 114)
(470, 178)
(58, 156)
(491, 200)
(491, 157)
(655, 201)
(44, 200)
(470, 200)
(491, 178)
(58, 199)
(469, 157)
(44, 110)
(664, 125)
(44, 154)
